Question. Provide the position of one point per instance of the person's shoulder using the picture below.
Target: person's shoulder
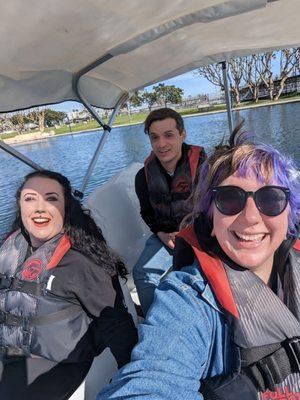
(74, 255)
(140, 173)
(191, 286)
(182, 295)
(81, 262)
(188, 277)
(140, 177)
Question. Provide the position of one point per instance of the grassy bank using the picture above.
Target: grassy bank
(124, 119)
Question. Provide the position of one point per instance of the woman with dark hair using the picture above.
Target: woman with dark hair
(61, 302)
(225, 325)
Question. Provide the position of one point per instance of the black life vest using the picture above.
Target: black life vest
(171, 204)
(265, 329)
(33, 321)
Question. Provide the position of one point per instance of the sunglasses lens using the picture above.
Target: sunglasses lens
(271, 201)
(229, 200)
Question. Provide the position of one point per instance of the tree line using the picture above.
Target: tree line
(42, 117)
(255, 72)
(250, 73)
(160, 94)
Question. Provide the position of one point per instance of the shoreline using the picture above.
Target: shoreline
(267, 104)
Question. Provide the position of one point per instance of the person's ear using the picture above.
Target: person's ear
(213, 232)
(183, 134)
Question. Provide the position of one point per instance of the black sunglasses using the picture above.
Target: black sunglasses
(270, 200)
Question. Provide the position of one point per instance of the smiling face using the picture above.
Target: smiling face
(42, 206)
(166, 142)
(250, 238)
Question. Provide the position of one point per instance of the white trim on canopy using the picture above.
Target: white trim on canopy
(44, 44)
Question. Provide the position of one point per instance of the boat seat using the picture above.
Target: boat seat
(115, 208)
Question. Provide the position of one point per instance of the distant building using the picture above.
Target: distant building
(292, 85)
(30, 126)
(76, 116)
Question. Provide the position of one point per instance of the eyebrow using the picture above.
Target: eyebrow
(168, 131)
(46, 194)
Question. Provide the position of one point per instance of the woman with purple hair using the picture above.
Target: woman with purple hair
(225, 324)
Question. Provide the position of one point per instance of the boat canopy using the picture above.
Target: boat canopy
(53, 50)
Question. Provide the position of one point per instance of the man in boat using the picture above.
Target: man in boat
(163, 186)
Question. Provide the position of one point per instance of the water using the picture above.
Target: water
(70, 155)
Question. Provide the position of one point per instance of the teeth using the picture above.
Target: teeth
(40, 220)
(250, 238)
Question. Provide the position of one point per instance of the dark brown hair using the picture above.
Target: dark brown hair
(161, 114)
(85, 236)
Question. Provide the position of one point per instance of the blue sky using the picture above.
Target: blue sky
(189, 82)
(192, 84)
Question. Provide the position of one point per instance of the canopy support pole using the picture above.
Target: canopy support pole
(227, 96)
(106, 130)
(13, 152)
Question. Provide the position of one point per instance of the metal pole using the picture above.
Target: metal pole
(10, 150)
(106, 130)
(227, 96)
(69, 124)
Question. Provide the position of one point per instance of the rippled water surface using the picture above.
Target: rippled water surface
(278, 125)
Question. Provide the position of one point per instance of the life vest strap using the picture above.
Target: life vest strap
(19, 320)
(214, 271)
(297, 245)
(194, 155)
(19, 285)
(273, 369)
(169, 197)
(11, 352)
(68, 312)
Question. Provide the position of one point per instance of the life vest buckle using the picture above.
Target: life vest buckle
(11, 352)
(273, 369)
(10, 319)
(294, 350)
(166, 197)
(15, 352)
(17, 284)
(5, 282)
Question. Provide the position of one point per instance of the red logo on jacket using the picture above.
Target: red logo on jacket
(280, 394)
(32, 269)
(182, 186)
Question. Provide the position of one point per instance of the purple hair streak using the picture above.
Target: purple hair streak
(248, 159)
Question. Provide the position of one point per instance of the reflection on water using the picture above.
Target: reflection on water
(70, 155)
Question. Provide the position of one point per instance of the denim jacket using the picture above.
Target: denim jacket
(184, 338)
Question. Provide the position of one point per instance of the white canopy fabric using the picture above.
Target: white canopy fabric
(44, 43)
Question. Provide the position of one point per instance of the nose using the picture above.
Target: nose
(40, 205)
(251, 213)
(161, 142)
